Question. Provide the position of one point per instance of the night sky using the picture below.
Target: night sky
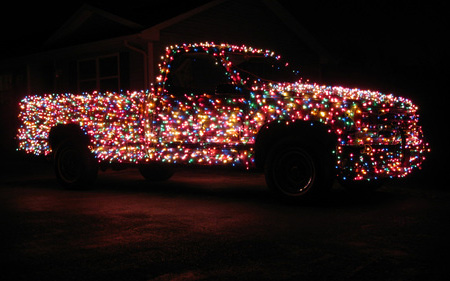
(404, 28)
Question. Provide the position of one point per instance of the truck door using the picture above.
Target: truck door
(198, 125)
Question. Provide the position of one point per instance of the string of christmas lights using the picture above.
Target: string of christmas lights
(378, 135)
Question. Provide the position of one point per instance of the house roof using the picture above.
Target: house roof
(93, 24)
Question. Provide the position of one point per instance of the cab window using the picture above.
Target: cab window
(197, 73)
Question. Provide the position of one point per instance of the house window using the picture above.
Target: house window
(101, 74)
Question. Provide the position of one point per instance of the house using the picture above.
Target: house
(99, 50)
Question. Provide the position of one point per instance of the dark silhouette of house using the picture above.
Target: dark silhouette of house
(99, 50)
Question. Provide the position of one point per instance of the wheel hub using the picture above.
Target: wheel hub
(294, 172)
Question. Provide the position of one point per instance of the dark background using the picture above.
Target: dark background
(221, 226)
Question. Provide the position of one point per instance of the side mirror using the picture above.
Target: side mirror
(223, 89)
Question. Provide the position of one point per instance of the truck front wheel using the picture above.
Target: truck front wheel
(297, 169)
(75, 166)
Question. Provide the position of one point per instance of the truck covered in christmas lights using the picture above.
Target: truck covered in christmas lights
(228, 106)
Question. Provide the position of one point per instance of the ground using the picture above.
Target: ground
(216, 225)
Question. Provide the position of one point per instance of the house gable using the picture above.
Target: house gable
(90, 24)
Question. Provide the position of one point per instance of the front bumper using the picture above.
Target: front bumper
(380, 161)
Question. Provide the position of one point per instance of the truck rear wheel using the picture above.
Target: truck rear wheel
(75, 165)
(298, 169)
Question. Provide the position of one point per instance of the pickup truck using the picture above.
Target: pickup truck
(228, 106)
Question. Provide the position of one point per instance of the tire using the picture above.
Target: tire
(298, 169)
(75, 166)
(155, 172)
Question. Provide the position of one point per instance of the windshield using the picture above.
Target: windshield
(263, 67)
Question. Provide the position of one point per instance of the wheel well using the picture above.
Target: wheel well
(273, 132)
(63, 132)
